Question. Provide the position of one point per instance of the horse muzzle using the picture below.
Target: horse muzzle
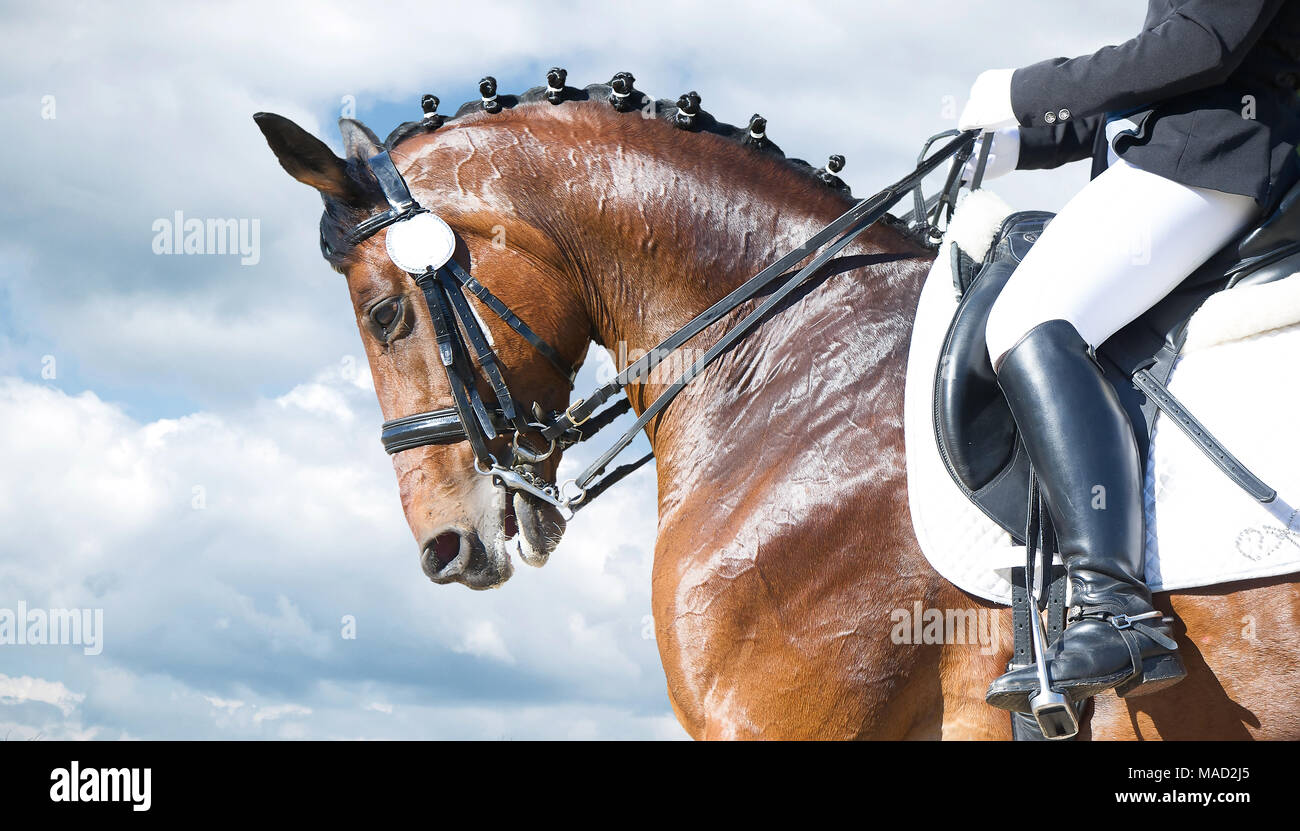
(459, 556)
(481, 557)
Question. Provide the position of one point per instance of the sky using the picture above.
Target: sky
(189, 443)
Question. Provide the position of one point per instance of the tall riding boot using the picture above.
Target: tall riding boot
(1081, 444)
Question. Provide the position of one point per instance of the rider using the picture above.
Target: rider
(1192, 126)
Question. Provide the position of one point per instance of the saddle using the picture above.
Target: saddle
(976, 434)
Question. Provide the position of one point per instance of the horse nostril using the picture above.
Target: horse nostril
(446, 547)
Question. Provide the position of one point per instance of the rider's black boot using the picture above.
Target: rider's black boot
(1081, 444)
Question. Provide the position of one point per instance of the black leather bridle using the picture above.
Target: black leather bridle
(458, 331)
(469, 419)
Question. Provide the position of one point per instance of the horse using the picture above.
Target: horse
(785, 557)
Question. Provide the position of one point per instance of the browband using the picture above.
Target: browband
(403, 204)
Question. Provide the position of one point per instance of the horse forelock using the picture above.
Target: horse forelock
(342, 215)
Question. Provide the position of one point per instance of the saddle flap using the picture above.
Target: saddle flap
(973, 425)
(1281, 230)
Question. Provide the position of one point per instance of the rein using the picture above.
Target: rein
(422, 244)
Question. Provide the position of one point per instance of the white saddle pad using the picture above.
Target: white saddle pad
(1237, 375)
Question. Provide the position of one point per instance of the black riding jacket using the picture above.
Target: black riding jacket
(1210, 88)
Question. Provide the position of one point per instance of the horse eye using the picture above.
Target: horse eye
(386, 312)
(388, 319)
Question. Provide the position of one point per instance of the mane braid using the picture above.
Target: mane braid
(665, 109)
(684, 113)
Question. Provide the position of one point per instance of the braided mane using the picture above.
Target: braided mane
(684, 113)
(621, 95)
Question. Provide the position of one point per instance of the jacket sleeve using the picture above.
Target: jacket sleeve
(1197, 46)
(1043, 148)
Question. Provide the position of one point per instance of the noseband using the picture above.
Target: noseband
(422, 245)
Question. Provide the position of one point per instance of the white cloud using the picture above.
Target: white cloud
(24, 688)
(483, 640)
(233, 608)
(222, 704)
(280, 711)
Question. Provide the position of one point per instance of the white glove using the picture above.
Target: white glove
(989, 106)
(1004, 154)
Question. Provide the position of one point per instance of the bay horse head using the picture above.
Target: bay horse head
(598, 220)
(465, 525)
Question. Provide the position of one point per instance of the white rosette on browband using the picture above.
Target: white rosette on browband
(422, 242)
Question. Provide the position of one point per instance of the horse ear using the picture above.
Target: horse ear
(305, 157)
(358, 142)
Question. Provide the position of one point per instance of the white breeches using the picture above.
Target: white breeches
(1123, 242)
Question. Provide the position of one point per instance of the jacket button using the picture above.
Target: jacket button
(1064, 114)
(1049, 117)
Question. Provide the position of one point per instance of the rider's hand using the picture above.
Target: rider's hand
(989, 106)
(1004, 153)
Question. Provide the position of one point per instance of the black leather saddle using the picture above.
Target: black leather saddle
(975, 431)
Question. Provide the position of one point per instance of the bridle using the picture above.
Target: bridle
(422, 245)
(425, 252)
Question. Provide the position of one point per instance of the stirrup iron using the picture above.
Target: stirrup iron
(1052, 710)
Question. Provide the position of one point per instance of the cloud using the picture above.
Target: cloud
(25, 689)
(280, 711)
(483, 640)
(225, 551)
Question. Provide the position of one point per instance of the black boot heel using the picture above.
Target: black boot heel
(1158, 672)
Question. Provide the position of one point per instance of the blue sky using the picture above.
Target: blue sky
(203, 464)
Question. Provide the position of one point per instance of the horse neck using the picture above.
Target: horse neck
(658, 259)
(646, 226)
